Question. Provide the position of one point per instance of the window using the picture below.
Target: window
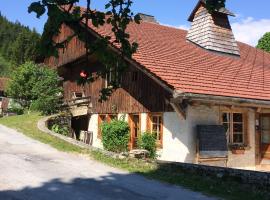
(112, 77)
(234, 124)
(76, 95)
(156, 127)
(104, 118)
(101, 119)
(111, 117)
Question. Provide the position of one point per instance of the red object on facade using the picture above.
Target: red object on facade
(83, 74)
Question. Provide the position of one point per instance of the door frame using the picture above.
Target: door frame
(131, 125)
(261, 134)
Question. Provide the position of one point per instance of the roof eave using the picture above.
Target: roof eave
(222, 100)
(221, 10)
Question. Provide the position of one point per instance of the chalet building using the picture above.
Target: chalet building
(3, 100)
(205, 95)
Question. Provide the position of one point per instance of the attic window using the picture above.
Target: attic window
(110, 78)
(77, 95)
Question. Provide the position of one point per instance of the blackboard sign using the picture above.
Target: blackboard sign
(212, 141)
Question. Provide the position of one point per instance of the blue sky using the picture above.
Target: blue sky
(253, 19)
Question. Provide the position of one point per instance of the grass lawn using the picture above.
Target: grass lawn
(226, 189)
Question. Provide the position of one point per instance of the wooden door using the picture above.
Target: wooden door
(134, 124)
(265, 136)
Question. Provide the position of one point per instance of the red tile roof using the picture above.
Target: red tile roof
(3, 83)
(186, 67)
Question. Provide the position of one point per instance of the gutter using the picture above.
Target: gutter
(179, 96)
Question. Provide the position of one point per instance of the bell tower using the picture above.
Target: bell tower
(212, 31)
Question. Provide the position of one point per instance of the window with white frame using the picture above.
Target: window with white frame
(155, 124)
(112, 77)
(235, 126)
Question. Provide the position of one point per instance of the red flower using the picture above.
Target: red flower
(83, 74)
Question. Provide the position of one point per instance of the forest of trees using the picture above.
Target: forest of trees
(18, 44)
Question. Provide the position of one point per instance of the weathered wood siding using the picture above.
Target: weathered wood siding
(212, 32)
(142, 95)
(74, 48)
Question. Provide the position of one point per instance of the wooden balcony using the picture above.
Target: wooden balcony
(78, 106)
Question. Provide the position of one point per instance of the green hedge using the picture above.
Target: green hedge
(147, 141)
(115, 136)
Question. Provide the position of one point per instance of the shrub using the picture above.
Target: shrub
(115, 136)
(60, 124)
(36, 87)
(63, 130)
(15, 108)
(147, 141)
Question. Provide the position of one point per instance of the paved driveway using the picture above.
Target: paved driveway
(30, 170)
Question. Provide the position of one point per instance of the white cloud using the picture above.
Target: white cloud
(182, 26)
(249, 30)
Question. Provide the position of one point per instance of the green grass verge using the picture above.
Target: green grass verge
(225, 188)
(27, 124)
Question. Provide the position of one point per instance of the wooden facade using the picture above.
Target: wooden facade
(138, 92)
(141, 95)
(73, 50)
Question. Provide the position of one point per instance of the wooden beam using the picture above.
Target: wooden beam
(177, 108)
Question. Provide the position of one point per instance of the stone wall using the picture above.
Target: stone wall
(257, 179)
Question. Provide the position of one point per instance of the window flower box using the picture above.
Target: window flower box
(238, 149)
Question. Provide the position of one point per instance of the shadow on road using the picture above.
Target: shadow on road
(113, 186)
(133, 187)
(106, 187)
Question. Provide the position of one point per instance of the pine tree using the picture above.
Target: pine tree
(18, 44)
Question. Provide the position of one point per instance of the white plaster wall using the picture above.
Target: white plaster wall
(179, 135)
(247, 160)
(123, 116)
(143, 122)
(93, 126)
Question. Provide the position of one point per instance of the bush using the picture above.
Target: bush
(18, 111)
(115, 136)
(60, 124)
(36, 87)
(63, 130)
(147, 141)
(15, 108)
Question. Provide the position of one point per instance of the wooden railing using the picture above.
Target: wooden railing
(82, 101)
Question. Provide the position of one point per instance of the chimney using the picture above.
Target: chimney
(148, 18)
(212, 31)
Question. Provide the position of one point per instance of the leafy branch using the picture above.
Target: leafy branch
(118, 15)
